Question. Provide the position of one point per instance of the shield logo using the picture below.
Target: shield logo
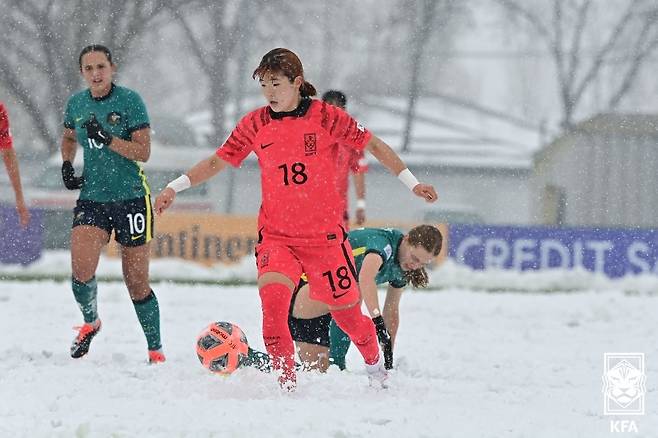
(624, 383)
(114, 118)
(310, 144)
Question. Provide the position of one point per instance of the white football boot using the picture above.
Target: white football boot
(377, 374)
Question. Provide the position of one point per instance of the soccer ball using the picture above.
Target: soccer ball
(221, 347)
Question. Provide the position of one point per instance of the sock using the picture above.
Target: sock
(275, 299)
(148, 313)
(257, 359)
(339, 343)
(361, 331)
(85, 295)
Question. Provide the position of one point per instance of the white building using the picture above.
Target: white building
(602, 173)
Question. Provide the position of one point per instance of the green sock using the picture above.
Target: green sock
(339, 343)
(148, 313)
(257, 359)
(85, 295)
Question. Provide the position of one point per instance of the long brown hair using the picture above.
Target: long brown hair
(431, 239)
(284, 61)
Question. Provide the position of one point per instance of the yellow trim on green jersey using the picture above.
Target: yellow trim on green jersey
(358, 251)
(145, 183)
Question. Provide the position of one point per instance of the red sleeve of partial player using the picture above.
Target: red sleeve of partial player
(341, 126)
(5, 136)
(241, 141)
(359, 164)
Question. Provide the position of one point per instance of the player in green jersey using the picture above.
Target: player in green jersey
(112, 126)
(382, 255)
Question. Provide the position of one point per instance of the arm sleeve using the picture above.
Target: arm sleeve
(6, 141)
(138, 117)
(359, 163)
(342, 127)
(398, 283)
(240, 143)
(380, 253)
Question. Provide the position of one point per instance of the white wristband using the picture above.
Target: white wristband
(181, 183)
(408, 179)
(361, 204)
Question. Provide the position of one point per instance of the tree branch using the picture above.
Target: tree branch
(639, 56)
(532, 19)
(194, 43)
(558, 55)
(26, 98)
(605, 50)
(576, 42)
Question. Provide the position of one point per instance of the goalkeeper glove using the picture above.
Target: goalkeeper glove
(96, 132)
(384, 340)
(71, 181)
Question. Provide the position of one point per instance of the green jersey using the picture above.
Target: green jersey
(384, 242)
(108, 176)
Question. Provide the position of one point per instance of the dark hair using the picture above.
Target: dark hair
(431, 239)
(94, 48)
(335, 96)
(284, 61)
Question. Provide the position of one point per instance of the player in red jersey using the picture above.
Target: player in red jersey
(11, 163)
(296, 140)
(349, 161)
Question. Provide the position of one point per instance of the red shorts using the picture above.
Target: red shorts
(330, 270)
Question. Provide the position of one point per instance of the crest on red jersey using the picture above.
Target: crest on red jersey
(310, 147)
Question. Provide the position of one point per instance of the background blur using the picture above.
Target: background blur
(534, 112)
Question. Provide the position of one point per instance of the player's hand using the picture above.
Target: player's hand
(360, 216)
(426, 191)
(384, 340)
(96, 132)
(164, 200)
(23, 214)
(71, 181)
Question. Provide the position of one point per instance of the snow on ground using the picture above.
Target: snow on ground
(56, 264)
(469, 364)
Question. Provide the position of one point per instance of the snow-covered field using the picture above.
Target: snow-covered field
(469, 364)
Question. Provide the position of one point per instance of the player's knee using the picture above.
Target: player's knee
(314, 331)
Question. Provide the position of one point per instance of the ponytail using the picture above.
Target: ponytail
(417, 277)
(307, 89)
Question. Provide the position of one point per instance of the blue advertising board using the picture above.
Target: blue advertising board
(18, 244)
(613, 252)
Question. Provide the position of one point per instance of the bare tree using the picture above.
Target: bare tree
(428, 17)
(625, 46)
(221, 34)
(216, 35)
(41, 42)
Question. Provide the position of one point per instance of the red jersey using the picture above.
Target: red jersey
(298, 156)
(349, 161)
(5, 136)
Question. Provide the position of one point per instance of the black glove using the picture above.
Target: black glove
(71, 181)
(96, 132)
(385, 341)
